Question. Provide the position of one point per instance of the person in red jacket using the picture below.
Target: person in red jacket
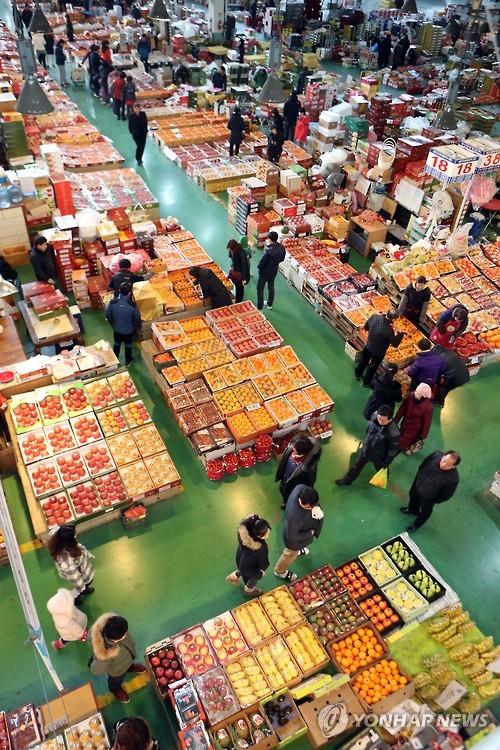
(302, 127)
(416, 415)
(116, 91)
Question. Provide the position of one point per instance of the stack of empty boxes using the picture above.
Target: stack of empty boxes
(290, 182)
(245, 205)
(269, 174)
(62, 243)
(109, 236)
(14, 240)
(326, 132)
(81, 289)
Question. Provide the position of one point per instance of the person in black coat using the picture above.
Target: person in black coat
(124, 276)
(211, 287)
(277, 122)
(291, 111)
(236, 127)
(454, 372)
(303, 524)
(398, 56)
(94, 61)
(124, 317)
(436, 481)
(70, 32)
(241, 50)
(240, 269)
(252, 557)
(380, 445)
(43, 260)
(273, 255)
(381, 335)
(138, 128)
(384, 50)
(49, 46)
(7, 272)
(298, 465)
(385, 390)
(274, 145)
(26, 15)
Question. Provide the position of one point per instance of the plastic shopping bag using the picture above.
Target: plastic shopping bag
(380, 479)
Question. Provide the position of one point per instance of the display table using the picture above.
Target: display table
(362, 236)
(11, 348)
(51, 331)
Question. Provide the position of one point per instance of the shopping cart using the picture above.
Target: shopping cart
(78, 75)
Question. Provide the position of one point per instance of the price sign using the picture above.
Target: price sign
(449, 166)
(451, 695)
(488, 152)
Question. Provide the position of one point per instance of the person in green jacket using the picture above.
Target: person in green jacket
(113, 653)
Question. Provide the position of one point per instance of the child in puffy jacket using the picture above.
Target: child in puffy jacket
(69, 621)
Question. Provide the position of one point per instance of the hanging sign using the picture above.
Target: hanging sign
(451, 163)
(488, 152)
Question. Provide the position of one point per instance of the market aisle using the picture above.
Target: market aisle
(172, 575)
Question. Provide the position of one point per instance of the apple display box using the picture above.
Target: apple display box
(330, 715)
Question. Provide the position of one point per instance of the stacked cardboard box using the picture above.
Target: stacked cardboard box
(81, 289)
(14, 239)
(62, 244)
(109, 236)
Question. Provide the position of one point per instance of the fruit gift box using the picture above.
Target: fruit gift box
(97, 458)
(84, 499)
(71, 467)
(378, 564)
(346, 612)
(22, 726)
(241, 428)
(282, 411)
(89, 733)
(409, 603)
(34, 446)
(100, 394)
(277, 663)
(53, 743)
(261, 419)
(162, 471)
(356, 580)
(75, 398)
(51, 404)
(357, 650)
(122, 386)
(164, 666)
(379, 611)
(300, 403)
(225, 637)
(148, 440)
(123, 448)
(253, 623)
(247, 679)
(382, 686)
(319, 398)
(112, 421)
(44, 477)
(266, 386)
(57, 509)
(25, 413)
(195, 652)
(136, 480)
(60, 437)
(401, 555)
(326, 582)
(284, 717)
(216, 695)
(282, 609)
(86, 429)
(250, 729)
(301, 375)
(110, 489)
(325, 625)
(305, 594)
(228, 402)
(426, 584)
(135, 413)
(306, 649)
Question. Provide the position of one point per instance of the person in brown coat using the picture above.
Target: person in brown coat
(416, 415)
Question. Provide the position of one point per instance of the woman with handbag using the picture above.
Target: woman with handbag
(240, 268)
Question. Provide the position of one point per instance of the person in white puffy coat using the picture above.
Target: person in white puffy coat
(69, 621)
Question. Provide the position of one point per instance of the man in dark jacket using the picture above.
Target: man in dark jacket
(435, 482)
(94, 61)
(427, 367)
(380, 445)
(303, 523)
(138, 128)
(144, 50)
(298, 465)
(252, 558)
(236, 127)
(381, 335)
(415, 301)
(291, 111)
(123, 316)
(7, 272)
(211, 287)
(385, 390)
(274, 254)
(275, 140)
(43, 260)
(26, 15)
(454, 372)
(124, 276)
(384, 50)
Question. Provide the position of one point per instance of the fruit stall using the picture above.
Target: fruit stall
(369, 634)
(86, 451)
(232, 385)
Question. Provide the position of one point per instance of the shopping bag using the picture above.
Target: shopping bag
(380, 479)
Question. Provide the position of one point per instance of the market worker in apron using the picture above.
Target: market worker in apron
(415, 301)
(451, 324)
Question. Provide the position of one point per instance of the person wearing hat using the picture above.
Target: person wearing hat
(415, 301)
(415, 414)
(252, 556)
